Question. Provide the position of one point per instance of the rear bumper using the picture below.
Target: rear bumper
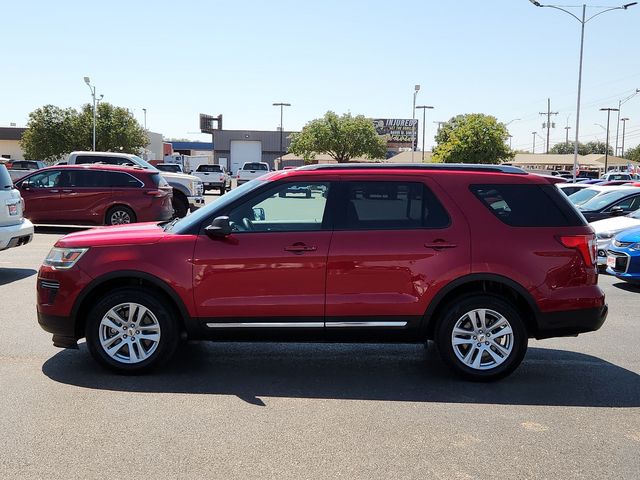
(16, 235)
(570, 322)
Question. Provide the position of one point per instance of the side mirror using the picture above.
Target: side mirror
(220, 227)
(258, 213)
(617, 211)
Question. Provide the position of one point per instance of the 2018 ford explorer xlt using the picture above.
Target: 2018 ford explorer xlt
(477, 258)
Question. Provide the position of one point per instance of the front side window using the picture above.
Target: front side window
(47, 179)
(629, 204)
(287, 207)
(391, 206)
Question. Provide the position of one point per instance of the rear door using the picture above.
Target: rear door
(85, 196)
(394, 243)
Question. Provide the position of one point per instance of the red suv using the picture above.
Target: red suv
(477, 258)
(95, 195)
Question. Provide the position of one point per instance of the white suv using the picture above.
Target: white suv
(14, 230)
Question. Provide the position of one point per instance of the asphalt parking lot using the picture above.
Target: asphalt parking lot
(572, 410)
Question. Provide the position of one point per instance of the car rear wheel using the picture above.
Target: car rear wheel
(131, 331)
(120, 215)
(481, 337)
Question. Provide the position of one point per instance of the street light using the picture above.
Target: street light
(582, 21)
(144, 111)
(424, 124)
(624, 125)
(416, 89)
(606, 152)
(620, 103)
(511, 121)
(281, 105)
(87, 80)
(534, 141)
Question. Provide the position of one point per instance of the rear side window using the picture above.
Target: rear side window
(123, 180)
(391, 206)
(528, 205)
(82, 178)
(158, 180)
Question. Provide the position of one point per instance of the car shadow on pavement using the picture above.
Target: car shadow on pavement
(10, 275)
(628, 287)
(359, 372)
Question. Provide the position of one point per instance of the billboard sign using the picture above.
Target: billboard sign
(397, 132)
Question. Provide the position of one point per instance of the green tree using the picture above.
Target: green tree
(50, 132)
(597, 147)
(563, 148)
(472, 138)
(342, 137)
(53, 132)
(633, 154)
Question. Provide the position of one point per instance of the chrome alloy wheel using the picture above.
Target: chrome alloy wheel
(129, 333)
(482, 339)
(120, 217)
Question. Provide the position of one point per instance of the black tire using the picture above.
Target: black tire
(460, 311)
(159, 310)
(223, 189)
(119, 215)
(180, 205)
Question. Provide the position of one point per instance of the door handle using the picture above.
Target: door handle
(53, 190)
(440, 244)
(67, 191)
(300, 248)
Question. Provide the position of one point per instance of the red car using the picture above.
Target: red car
(95, 195)
(477, 258)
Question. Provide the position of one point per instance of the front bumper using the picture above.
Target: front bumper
(16, 235)
(571, 322)
(195, 202)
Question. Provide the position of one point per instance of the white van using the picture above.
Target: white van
(15, 230)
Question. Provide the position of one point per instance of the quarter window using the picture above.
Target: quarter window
(391, 206)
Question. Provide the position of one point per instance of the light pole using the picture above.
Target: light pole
(620, 103)
(281, 105)
(624, 126)
(534, 141)
(144, 111)
(606, 152)
(416, 89)
(87, 80)
(424, 124)
(510, 137)
(583, 22)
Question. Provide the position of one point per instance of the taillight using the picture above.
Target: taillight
(157, 193)
(585, 244)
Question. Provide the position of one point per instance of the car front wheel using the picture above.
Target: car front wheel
(481, 337)
(131, 331)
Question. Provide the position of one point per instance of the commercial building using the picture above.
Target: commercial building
(10, 143)
(232, 148)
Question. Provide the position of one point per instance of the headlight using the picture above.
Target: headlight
(64, 258)
(604, 235)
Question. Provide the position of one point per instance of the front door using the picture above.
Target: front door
(393, 242)
(271, 271)
(42, 196)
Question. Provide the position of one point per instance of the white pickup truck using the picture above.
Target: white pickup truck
(15, 230)
(213, 177)
(188, 192)
(251, 170)
(21, 168)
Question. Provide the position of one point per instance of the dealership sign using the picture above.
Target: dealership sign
(397, 132)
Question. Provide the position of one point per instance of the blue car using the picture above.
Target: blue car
(623, 256)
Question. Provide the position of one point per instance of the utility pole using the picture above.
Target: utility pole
(424, 124)
(548, 124)
(606, 152)
(281, 105)
(624, 126)
(620, 103)
(534, 141)
(566, 141)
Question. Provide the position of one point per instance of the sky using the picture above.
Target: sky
(236, 58)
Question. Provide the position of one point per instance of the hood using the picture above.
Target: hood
(135, 234)
(629, 236)
(180, 176)
(615, 224)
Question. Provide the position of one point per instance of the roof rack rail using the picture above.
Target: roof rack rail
(468, 167)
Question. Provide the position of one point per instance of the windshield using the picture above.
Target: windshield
(583, 195)
(199, 215)
(603, 200)
(5, 179)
